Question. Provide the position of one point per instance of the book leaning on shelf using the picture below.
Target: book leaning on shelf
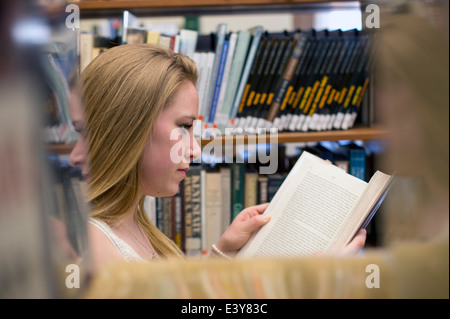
(318, 208)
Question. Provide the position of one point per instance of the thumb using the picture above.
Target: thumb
(356, 245)
(256, 222)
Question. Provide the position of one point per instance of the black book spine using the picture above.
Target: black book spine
(256, 84)
(348, 88)
(242, 111)
(323, 78)
(309, 76)
(339, 90)
(299, 75)
(275, 73)
(303, 77)
(288, 73)
(286, 108)
(261, 92)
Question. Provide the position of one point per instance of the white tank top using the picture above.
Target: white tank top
(127, 252)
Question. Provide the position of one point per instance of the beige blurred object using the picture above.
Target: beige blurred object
(410, 271)
(413, 101)
(436, 12)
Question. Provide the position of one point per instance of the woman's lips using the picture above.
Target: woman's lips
(183, 171)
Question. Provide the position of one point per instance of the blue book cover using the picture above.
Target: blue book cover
(357, 162)
(215, 99)
(220, 36)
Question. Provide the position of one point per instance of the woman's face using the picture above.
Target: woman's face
(172, 146)
(79, 155)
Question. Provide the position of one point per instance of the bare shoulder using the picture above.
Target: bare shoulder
(102, 249)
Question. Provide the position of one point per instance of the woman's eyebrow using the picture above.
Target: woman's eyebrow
(188, 117)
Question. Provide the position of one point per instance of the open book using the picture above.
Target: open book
(318, 208)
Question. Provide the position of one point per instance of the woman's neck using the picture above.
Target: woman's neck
(128, 218)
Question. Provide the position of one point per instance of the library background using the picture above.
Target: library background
(242, 49)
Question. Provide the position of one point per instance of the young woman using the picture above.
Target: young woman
(136, 97)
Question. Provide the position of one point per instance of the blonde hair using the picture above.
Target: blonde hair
(124, 91)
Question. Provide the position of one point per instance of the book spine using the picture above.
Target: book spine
(178, 220)
(187, 199)
(221, 33)
(203, 248)
(262, 189)
(219, 118)
(286, 107)
(247, 68)
(205, 79)
(160, 213)
(237, 189)
(287, 76)
(168, 217)
(269, 75)
(273, 184)
(150, 208)
(86, 46)
(245, 95)
(193, 236)
(251, 189)
(213, 208)
(286, 54)
(238, 62)
(255, 93)
(215, 99)
(187, 42)
(357, 163)
(243, 108)
(226, 196)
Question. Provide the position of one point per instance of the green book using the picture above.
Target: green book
(237, 188)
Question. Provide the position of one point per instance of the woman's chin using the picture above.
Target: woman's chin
(165, 193)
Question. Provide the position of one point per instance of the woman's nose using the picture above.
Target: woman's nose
(78, 156)
(196, 150)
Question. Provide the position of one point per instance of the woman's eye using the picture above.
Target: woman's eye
(80, 131)
(186, 126)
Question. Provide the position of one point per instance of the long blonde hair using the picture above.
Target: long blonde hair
(124, 91)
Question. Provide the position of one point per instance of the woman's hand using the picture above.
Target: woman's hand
(249, 221)
(354, 247)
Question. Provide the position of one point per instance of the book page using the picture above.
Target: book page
(308, 211)
(365, 208)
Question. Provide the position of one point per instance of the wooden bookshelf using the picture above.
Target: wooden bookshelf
(362, 133)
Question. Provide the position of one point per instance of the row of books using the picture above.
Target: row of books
(292, 81)
(91, 44)
(250, 79)
(209, 198)
(309, 81)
